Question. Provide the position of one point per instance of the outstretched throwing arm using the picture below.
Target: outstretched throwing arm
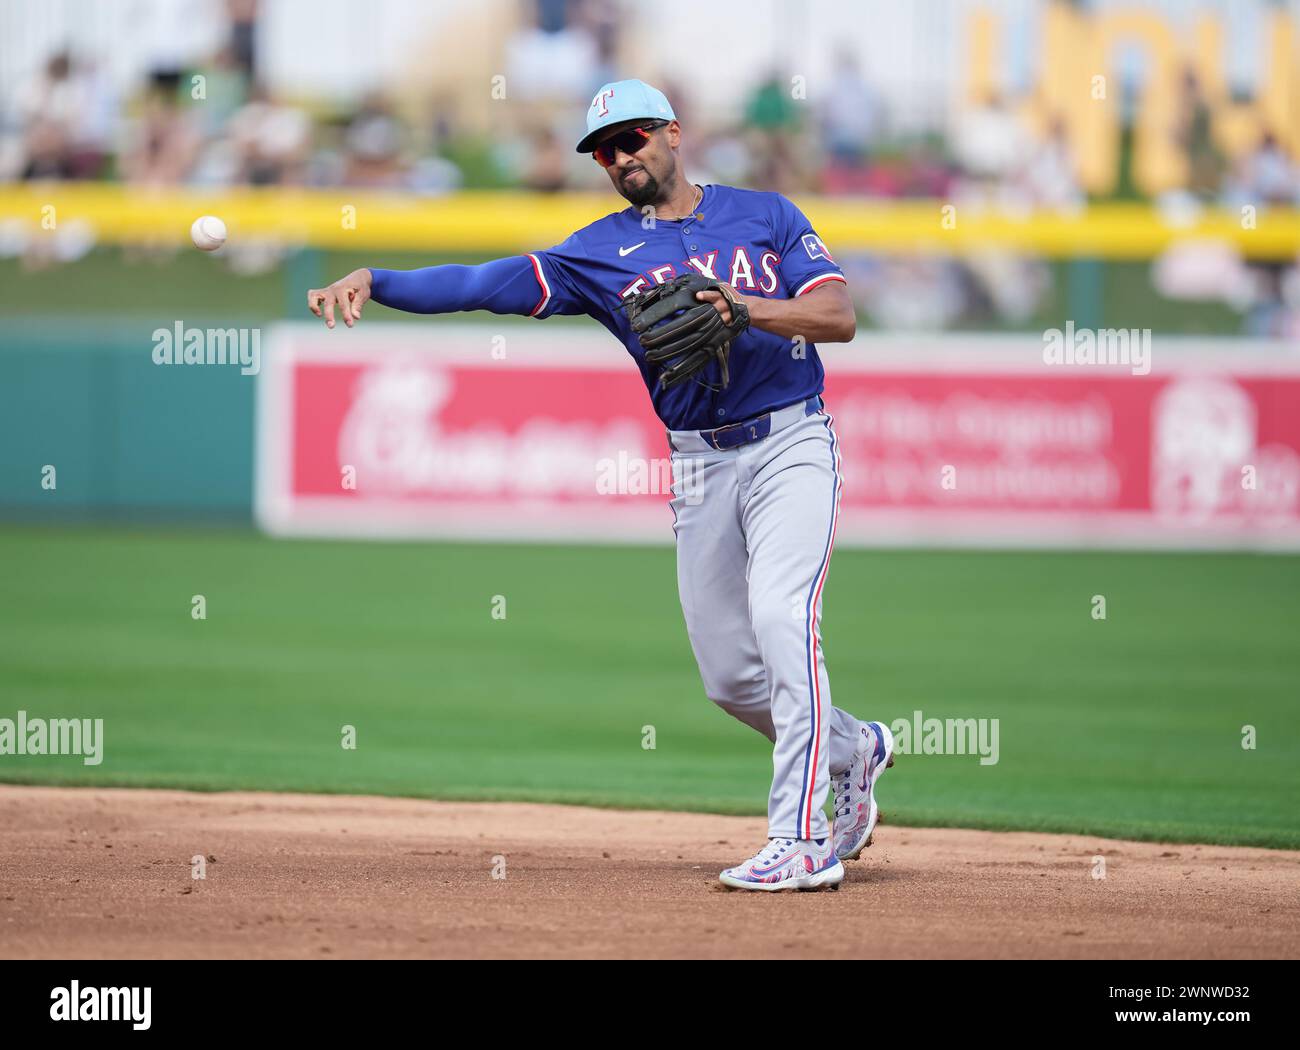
(502, 286)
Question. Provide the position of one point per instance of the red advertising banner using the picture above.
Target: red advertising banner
(459, 431)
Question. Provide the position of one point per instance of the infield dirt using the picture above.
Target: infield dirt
(105, 873)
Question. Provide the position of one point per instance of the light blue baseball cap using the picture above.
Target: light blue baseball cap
(619, 102)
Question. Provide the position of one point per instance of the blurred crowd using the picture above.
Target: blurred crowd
(215, 123)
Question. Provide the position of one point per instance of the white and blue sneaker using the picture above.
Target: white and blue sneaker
(788, 864)
(854, 792)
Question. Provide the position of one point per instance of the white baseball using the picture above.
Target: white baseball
(208, 233)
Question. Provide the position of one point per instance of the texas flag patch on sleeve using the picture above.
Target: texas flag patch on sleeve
(813, 245)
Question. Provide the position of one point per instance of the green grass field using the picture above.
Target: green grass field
(1131, 726)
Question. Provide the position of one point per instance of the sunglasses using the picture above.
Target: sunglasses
(629, 141)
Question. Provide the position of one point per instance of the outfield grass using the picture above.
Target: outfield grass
(1130, 726)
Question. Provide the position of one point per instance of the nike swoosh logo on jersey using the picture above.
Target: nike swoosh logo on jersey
(628, 251)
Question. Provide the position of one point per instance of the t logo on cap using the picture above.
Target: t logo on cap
(623, 102)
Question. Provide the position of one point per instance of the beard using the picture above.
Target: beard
(645, 193)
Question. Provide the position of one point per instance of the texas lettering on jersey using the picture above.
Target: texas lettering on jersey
(740, 276)
(759, 243)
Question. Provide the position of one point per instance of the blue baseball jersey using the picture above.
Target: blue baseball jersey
(759, 243)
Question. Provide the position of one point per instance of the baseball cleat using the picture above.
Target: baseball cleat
(856, 812)
(788, 864)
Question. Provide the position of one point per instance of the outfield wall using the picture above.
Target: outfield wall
(543, 432)
(966, 441)
(127, 440)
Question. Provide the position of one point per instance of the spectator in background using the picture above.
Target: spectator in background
(68, 114)
(990, 144)
(163, 142)
(552, 16)
(604, 22)
(1205, 162)
(997, 158)
(243, 36)
(225, 92)
(699, 150)
(561, 54)
(777, 165)
(547, 167)
(772, 121)
(771, 108)
(374, 144)
(850, 116)
(177, 34)
(271, 141)
(1049, 179)
(224, 95)
(1267, 177)
(551, 59)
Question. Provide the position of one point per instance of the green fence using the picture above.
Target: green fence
(127, 439)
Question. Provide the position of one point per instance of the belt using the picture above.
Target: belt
(733, 435)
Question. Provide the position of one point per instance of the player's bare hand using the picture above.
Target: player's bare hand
(720, 302)
(349, 295)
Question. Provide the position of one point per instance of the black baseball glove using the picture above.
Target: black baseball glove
(680, 333)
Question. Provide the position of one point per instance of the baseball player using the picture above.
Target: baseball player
(720, 295)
